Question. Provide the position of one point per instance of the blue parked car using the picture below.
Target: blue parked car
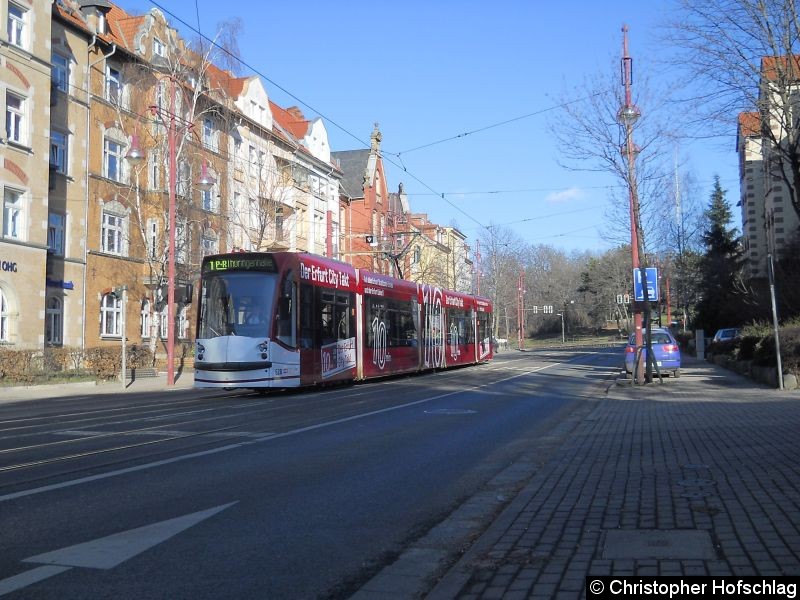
(665, 349)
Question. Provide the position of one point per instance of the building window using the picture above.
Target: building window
(110, 316)
(54, 318)
(253, 168)
(184, 178)
(113, 85)
(183, 322)
(16, 25)
(13, 215)
(112, 159)
(182, 241)
(209, 134)
(58, 152)
(163, 321)
(60, 72)
(158, 47)
(55, 233)
(279, 226)
(152, 239)
(113, 231)
(210, 243)
(154, 170)
(159, 101)
(15, 118)
(145, 316)
(207, 200)
(5, 335)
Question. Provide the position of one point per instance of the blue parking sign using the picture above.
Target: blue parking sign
(652, 284)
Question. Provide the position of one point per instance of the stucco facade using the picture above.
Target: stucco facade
(24, 151)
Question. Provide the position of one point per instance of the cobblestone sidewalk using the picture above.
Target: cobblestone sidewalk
(698, 476)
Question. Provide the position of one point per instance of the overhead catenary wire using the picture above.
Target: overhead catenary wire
(498, 124)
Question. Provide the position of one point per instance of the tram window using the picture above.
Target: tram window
(343, 316)
(397, 318)
(306, 316)
(285, 323)
(326, 322)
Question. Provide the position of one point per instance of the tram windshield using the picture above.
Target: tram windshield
(236, 303)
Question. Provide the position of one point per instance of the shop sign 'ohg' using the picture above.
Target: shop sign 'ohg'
(8, 266)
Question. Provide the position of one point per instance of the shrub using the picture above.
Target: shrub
(726, 347)
(683, 339)
(139, 357)
(105, 362)
(17, 365)
(790, 349)
(747, 347)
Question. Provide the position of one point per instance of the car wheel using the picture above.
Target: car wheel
(676, 373)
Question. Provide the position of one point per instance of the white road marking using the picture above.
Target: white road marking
(264, 438)
(106, 552)
(164, 433)
(23, 580)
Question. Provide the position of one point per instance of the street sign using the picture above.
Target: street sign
(652, 284)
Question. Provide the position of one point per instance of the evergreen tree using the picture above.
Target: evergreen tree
(722, 298)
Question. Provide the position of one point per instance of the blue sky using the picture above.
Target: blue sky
(428, 71)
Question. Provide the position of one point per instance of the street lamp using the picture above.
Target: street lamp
(628, 115)
(563, 336)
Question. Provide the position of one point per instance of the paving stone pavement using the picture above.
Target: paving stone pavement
(698, 476)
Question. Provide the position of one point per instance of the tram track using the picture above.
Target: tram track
(199, 440)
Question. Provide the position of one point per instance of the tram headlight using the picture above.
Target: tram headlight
(199, 350)
(264, 348)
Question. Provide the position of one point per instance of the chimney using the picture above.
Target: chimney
(296, 113)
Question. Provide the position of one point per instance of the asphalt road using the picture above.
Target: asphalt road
(234, 495)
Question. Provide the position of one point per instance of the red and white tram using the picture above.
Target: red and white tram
(280, 320)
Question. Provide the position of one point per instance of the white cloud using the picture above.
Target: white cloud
(567, 195)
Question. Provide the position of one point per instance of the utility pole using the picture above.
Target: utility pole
(478, 267)
(206, 182)
(628, 114)
(122, 294)
(521, 311)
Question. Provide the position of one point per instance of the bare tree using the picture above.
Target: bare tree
(743, 56)
(260, 219)
(603, 280)
(173, 85)
(500, 269)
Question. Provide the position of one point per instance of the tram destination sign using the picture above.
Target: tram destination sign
(238, 263)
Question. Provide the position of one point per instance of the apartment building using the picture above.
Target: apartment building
(25, 148)
(764, 142)
(751, 187)
(112, 120)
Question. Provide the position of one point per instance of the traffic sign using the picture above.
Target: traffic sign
(651, 274)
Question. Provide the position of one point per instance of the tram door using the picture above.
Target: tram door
(327, 333)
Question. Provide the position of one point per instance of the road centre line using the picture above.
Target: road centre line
(80, 433)
(268, 437)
